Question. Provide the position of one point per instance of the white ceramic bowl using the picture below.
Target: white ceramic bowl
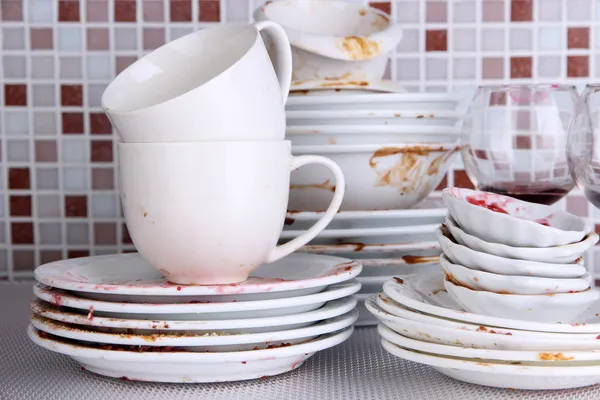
(334, 39)
(562, 307)
(566, 254)
(378, 177)
(519, 224)
(511, 284)
(477, 260)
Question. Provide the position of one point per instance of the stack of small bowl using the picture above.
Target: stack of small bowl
(511, 305)
(497, 249)
(393, 147)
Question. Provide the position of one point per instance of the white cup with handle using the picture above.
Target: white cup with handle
(216, 84)
(211, 213)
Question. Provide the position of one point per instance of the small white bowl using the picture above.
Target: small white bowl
(470, 258)
(566, 254)
(562, 307)
(511, 284)
(395, 176)
(522, 224)
(334, 40)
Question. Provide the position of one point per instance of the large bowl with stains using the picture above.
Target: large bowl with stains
(378, 177)
(334, 40)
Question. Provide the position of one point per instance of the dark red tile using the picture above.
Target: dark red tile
(461, 180)
(19, 178)
(101, 151)
(443, 184)
(78, 253)
(384, 6)
(11, 10)
(76, 206)
(72, 123)
(105, 233)
(436, 40)
(522, 142)
(578, 66)
(68, 11)
(521, 67)
(521, 10)
(15, 94)
(24, 260)
(71, 95)
(181, 10)
(126, 238)
(125, 10)
(498, 99)
(22, 233)
(103, 179)
(48, 256)
(209, 10)
(20, 206)
(99, 124)
(578, 38)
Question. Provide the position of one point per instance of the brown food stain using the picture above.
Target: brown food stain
(338, 78)
(554, 357)
(362, 13)
(349, 83)
(325, 186)
(476, 279)
(397, 115)
(420, 259)
(360, 48)
(453, 280)
(398, 280)
(438, 291)
(289, 221)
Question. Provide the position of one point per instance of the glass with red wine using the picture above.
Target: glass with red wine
(583, 145)
(515, 139)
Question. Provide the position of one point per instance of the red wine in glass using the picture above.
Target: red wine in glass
(542, 194)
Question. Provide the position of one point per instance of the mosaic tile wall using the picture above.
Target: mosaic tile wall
(57, 56)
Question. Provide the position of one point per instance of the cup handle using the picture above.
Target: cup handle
(283, 54)
(338, 195)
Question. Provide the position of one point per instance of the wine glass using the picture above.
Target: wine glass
(583, 151)
(515, 138)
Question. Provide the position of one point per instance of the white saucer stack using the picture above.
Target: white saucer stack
(394, 149)
(536, 323)
(117, 316)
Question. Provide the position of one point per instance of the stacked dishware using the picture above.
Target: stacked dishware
(204, 174)
(117, 316)
(393, 147)
(511, 305)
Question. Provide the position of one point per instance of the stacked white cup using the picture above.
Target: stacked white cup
(203, 165)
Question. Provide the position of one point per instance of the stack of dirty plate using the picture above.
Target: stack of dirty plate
(117, 316)
(526, 322)
(394, 150)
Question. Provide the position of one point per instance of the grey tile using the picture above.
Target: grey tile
(48, 205)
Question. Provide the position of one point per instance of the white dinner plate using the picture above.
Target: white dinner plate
(198, 310)
(129, 274)
(141, 364)
(331, 309)
(393, 101)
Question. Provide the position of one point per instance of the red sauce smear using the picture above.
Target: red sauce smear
(499, 209)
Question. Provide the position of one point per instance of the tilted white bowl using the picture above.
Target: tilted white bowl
(511, 284)
(565, 254)
(470, 258)
(378, 177)
(519, 223)
(562, 307)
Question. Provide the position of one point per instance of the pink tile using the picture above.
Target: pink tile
(436, 11)
(492, 68)
(11, 10)
(153, 38)
(97, 10)
(492, 10)
(97, 39)
(41, 38)
(123, 62)
(153, 11)
(577, 205)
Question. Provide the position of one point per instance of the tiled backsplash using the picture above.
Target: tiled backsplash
(57, 149)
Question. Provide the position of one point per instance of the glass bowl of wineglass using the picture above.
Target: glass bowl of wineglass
(515, 138)
(583, 145)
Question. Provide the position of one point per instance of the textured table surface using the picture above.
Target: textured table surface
(357, 369)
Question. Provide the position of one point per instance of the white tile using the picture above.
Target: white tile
(436, 68)
(104, 205)
(14, 67)
(464, 68)
(44, 95)
(75, 178)
(74, 150)
(69, 38)
(41, 11)
(94, 94)
(99, 67)
(125, 38)
(16, 122)
(464, 40)
(77, 233)
(520, 39)
(492, 39)
(42, 67)
(44, 123)
(551, 38)
(17, 150)
(408, 69)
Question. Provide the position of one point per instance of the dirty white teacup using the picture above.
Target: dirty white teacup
(211, 213)
(216, 84)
